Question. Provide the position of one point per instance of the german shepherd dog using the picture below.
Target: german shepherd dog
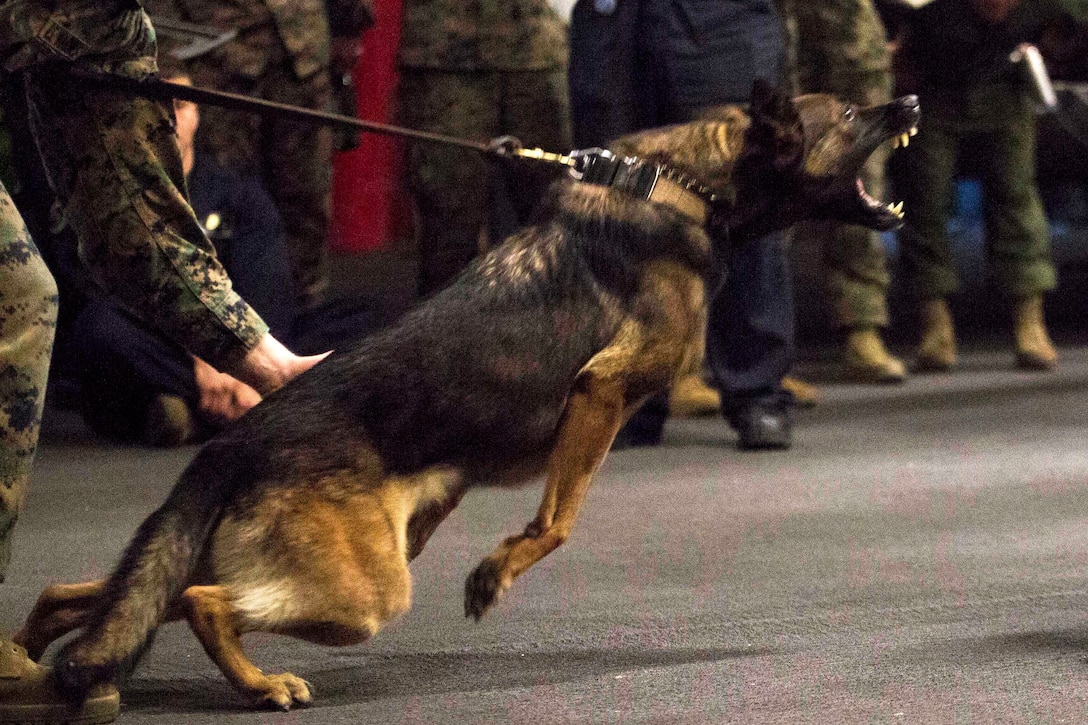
(302, 517)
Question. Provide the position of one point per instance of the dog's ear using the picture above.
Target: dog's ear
(767, 101)
(776, 125)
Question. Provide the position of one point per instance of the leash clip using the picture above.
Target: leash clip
(537, 154)
(510, 146)
(594, 166)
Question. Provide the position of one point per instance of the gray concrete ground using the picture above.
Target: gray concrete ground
(919, 556)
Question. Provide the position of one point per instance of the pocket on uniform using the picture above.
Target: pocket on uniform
(60, 41)
(105, 31)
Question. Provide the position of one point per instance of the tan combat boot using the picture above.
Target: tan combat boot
(1034, 350)
(868, 361)
(937, 352)
(805, 395)
(170, 422)
(28, 695)
(691, 397)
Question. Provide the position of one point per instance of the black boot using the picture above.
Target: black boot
(763, 426)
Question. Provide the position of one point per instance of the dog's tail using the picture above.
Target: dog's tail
(153, 571)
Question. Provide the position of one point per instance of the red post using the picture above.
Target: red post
(368, 205)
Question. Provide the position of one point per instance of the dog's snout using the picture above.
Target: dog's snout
(902, 114)
(909, 105)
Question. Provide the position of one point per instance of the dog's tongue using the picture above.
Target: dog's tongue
(865, 195)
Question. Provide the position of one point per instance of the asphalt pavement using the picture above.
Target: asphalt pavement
(919, 556)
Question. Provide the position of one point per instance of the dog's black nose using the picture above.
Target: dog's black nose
(909, 109)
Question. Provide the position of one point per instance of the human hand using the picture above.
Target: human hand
(270, 365)
(222, 398)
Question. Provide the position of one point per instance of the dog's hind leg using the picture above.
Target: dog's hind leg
(594, 413)
(213, 619)
(326, 570)
(60, 609)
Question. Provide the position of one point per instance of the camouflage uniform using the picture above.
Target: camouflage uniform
(477, 69)
(28, 296)
(114, 166)
(840, 47)
(958, 64)
(281, 54)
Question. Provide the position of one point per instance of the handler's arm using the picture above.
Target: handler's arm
(116, 171)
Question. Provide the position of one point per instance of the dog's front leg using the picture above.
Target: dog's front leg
(592, 417)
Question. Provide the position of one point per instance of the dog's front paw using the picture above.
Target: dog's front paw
(482, 588)
(280, 692)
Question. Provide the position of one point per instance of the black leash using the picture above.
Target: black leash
(161, 90)
(643, 179)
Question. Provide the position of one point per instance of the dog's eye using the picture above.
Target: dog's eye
(848, 113)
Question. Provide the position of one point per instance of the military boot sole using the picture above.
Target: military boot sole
(1039, 363)
(95, 710)
(889, 374)
(925, 364)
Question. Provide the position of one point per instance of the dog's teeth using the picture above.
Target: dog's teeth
(895, 142)
(905, 140)
(913, 130)
(896, 209)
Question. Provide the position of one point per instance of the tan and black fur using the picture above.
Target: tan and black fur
(302, 517)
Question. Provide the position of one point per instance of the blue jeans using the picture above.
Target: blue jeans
(655, 62)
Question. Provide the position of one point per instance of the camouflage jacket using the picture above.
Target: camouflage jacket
(303, 27)
(111, 34)
(845, 33)
(482, 35)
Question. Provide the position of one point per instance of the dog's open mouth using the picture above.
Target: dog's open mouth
(900, 124)
(881, 212)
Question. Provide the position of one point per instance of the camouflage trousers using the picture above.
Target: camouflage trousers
(113, 164)
(28, 297)
(456, 191)
(999, 121)
(840, 47)
(293, 157)
(853, 260)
